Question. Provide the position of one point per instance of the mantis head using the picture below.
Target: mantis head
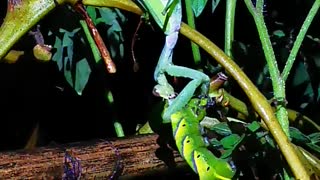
(166, 92)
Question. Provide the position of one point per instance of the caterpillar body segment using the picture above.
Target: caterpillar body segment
(213, 168)
(192, 145)
(181, 127)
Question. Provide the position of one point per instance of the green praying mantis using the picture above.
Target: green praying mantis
(168, 15)
(183, 111)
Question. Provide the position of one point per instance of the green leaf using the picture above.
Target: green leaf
(83, 72)
(58, 55)
(145, 129)
(107, 16)
(70, 53)
(298, 136)
(315, 137)
(301, 75)
(279, 33)
(308, 92)
(215, 143)
(314, 147)
(254, 126)
(214, 5)
(198, 6)
(226, 154)
(114, 42)
(222, 129)
(67, 72)
(121, 50)
(92, 13)
(230, 141)
(318, 99)
(122, 18)
(270, 141)
(67, 41)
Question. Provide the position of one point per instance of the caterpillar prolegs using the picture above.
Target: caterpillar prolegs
(192, 146)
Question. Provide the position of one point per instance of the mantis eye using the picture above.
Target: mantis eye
(155, 92)
(172, 96)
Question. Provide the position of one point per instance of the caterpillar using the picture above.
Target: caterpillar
(193, 147)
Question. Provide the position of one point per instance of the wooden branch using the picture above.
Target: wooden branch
(97, 159)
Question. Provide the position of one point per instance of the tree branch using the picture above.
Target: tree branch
(138, 157)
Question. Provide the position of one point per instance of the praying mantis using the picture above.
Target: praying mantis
(168, 15)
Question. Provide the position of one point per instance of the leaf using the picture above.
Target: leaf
(308, 92)
(314, 147)
(301, 75)
(254, 126)
(70, 53)
(270, 141)
(222, 129)
(121, 50)
(92, 13)
(114, 42)
(122, 18)
(57, 57)
(230, 141)
(297, 135)
(145, 129)
(215, 143)
(226, 154)
(318, 99)
(67, 72)
(214, 5)
(279, 33)
(198, 6)
(315, 137)
(115, 26)
(66, 41)
(107, 16)
(83, 72)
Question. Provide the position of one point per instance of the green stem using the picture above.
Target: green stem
(297, 44)
(191, 23)
(93, 46)
(229, 26)
(119, 129)
(277, 82)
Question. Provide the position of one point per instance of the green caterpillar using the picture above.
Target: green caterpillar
(192, 146)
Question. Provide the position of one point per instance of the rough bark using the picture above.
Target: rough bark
(138, 155)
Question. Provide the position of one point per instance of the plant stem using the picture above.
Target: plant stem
(277, 82)
(297, 44)
(104, 52)
(191, 23)
(93, 46)
(229, 26)
(119, 129)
